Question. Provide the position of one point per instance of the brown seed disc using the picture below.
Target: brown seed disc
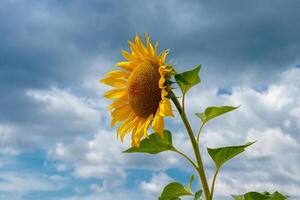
(143, 89)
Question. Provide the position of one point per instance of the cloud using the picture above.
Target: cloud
(53, 54)
(13, 141)
(61, 107)
(102, 157)
(95, 155)
(48, 43)
(266, 116)
(59, 115)
(108, 195)
(15, 185)
(229, 183)
(155, 185)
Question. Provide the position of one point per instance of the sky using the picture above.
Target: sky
(55, 136)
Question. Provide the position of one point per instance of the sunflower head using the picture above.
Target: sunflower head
(140, 91)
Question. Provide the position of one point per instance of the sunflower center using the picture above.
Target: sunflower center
(143, 89)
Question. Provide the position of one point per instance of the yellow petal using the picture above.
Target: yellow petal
(126, 65)
(138, 133)
(161, 82)
(163, 70)
(136, 51)
(127, 55)
(130, 126)
(164, 55)
(118, 74)
(120, 114)
(114, 82)
(164, 93)
(134, 130)
(165, 108)
(158, 124)
(140, 45)
(156, 46)
(119, 102)
(115, 93)
(149, 119)
(149, 46)
(121, 118)
(125, 125)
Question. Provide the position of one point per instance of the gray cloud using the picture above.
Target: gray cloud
(53, 43)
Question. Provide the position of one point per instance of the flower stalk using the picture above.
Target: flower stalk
(200, 167)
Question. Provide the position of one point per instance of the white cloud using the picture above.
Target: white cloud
(124, 194)
(102, 157)
(13, 140)
(14, 185)
(96, 188)
(61, 167)
(271, 142)
(61, 107)
(58, 115)
(97, 157)
(155, 185)
(238, 183)
(270, 116)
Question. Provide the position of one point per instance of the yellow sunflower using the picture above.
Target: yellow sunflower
(140, 91)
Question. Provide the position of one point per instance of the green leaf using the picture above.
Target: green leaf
(212, 112)
(198, 195)
(188, 79)
(223, 154)
(173, 191)
(278, 196)
(154, 144)
(260, 196)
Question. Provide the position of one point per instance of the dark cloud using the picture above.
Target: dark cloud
(55, 43)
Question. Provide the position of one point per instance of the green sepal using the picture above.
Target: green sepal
(154, 144)
(223, 154)
(171, 95)
(188, 79)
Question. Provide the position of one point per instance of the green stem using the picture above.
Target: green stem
(199, 132)
(185, 156)
(200, 168)
(182, 104)
(213, 184)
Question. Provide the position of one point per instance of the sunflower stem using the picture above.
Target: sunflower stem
(200, 168)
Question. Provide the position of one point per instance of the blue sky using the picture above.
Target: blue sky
(55, 138)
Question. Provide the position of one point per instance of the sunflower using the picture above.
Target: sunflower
(140, 91)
